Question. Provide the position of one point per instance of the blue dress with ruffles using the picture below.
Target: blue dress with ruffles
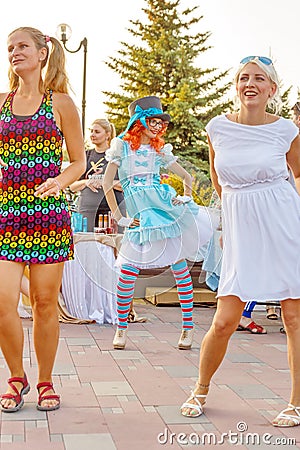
(167, 232)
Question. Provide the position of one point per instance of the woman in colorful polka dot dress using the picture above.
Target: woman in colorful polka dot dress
(36, 117)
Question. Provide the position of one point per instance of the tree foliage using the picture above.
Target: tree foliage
(285, 107)
(165, 61)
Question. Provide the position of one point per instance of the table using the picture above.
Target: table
(90, 280)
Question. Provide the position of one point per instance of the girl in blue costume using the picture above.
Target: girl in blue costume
(162, 229)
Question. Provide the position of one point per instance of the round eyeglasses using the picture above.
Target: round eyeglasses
(159, 124)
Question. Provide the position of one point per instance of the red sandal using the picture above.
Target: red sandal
(47, 387)
(253, 328)
(18, 396)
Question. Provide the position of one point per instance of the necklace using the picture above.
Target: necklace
(237, 119)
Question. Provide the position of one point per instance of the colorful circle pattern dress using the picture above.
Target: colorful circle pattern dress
(32, 229)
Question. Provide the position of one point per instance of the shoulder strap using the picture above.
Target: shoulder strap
(6, 105)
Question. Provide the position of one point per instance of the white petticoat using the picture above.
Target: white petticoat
(160, 253)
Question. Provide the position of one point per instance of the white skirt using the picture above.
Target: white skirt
(261, 242)
(160, 253)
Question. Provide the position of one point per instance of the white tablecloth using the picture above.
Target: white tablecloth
(89, 282)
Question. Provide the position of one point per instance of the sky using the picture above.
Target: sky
(257, 27)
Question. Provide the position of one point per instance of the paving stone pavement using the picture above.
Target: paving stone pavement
(130, 399)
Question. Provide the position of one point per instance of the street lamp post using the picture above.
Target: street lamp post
(64, 32)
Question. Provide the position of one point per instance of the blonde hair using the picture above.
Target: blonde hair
(55, 77)
(108, 127)
(274, 103)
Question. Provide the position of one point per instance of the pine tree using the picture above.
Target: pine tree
(163, 62)
(286, 107)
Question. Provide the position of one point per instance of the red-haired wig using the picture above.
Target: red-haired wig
(133, 137)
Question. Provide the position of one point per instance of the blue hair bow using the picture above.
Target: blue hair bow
(141, 114)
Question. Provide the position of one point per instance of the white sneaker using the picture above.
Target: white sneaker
(186, 339)
(119, 341)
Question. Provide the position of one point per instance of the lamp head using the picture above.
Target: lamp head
(63, 32)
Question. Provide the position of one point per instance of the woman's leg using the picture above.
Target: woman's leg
(214, 344)
(185, 290)
(45, 282)
(11, 331)
(133, 316)
(273, 311)
(247, 323)
(186, 297)
(125, 290)
(291, 319)
(25, 286)
(249, 309)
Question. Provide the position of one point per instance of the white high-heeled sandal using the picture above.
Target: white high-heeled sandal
(198, 406)
(282, 415)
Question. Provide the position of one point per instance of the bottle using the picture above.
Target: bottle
(80, 217)
(100, 221)
(105, 221)
(109, 229)
(77, 222)
(84, 224)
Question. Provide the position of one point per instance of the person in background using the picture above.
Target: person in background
(37, 116)
(247, 323)
(273, 311)
(162, 229)
(250, 153)
(92, 201)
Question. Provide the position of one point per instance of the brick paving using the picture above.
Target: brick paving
(130, 399)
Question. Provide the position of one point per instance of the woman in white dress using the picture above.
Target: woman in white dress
(250, 152)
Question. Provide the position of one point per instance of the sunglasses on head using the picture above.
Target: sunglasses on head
(263, 59)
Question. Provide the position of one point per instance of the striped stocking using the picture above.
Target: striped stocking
(185, 292)
(125, 289)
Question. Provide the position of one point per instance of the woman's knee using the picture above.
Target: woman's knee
(224, 327)
(44, 304)
(8, 305)
(291, 323)
(291, 315)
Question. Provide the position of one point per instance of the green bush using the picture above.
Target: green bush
(201, 188)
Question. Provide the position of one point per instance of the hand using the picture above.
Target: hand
(3, 165)
(128, 222)
(221, 241)
(181, 199)
(94, 183)
(50, 187)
